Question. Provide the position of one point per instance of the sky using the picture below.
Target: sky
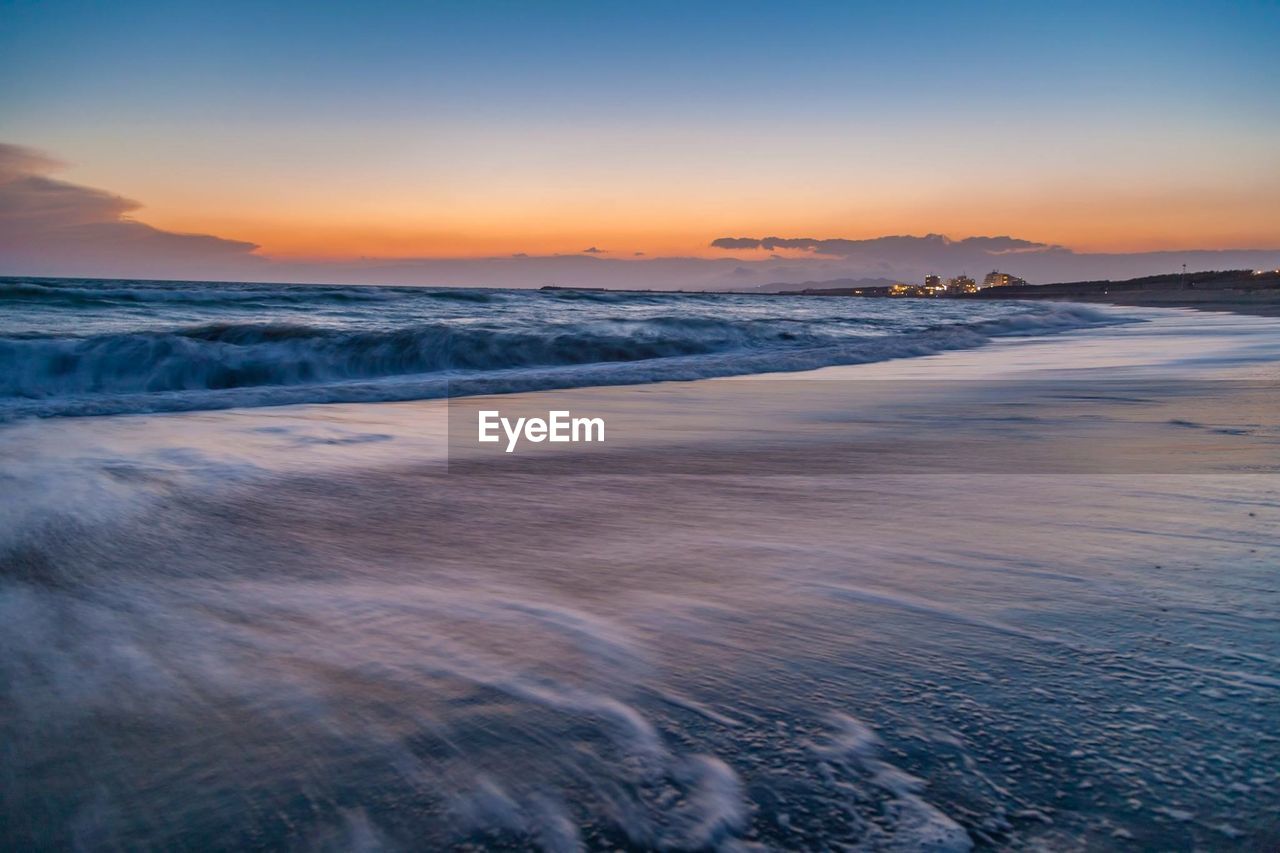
(325, 135)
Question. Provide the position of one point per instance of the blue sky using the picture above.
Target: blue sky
(466, 128)
(669, 59)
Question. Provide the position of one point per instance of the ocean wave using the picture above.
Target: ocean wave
(233, 355)
(73, 292)
(610, 297)
(223, 365)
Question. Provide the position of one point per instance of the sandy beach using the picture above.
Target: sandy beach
(1015, 596)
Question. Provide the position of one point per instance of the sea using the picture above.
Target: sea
(848, 574)
(76, 347)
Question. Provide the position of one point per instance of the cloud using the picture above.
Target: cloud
(592, 251)
(909, 258)
(737, 243)
(846, 248)
(16, 160)
(50, 226)
(1002, 245)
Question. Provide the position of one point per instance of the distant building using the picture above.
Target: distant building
(933, 286)
(962, 284)
(903, 290)
(995, 278)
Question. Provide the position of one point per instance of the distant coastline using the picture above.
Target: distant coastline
(1240, 291)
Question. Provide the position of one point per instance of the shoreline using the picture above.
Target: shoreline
(1263, 305)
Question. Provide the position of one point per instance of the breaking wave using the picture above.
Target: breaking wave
(231, 364)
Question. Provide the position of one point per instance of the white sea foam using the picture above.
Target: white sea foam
(223, 346)
(913, 823)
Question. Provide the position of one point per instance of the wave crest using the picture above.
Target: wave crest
(217, 365)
